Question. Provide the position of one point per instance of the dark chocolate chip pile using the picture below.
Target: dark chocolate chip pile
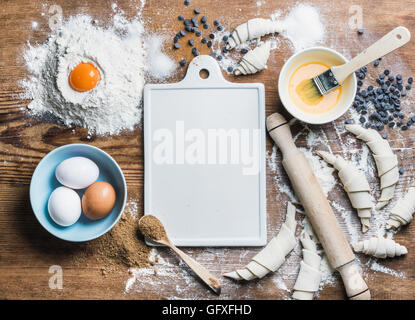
(380, 105)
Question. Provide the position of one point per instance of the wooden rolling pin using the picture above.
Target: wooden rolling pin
(318, 209)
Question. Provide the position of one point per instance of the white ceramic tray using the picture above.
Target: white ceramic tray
(206, 194)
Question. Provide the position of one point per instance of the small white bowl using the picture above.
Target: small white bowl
(325, 55)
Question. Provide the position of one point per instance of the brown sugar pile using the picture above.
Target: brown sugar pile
(152, 228)
(124, 244)
(122, 247)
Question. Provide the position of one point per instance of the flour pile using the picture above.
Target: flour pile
(303, 27)
(120, 54)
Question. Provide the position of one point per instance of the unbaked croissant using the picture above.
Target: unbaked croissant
(309, 277)
(380, 247)
(273, 255)
(402, 213)
(355, 184)
(253, 29)
(386, 161)
(255, 60)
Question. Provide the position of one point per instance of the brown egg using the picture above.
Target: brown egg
(98, 200)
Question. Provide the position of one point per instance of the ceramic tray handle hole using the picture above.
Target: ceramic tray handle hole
(204, 73)
(399, 36)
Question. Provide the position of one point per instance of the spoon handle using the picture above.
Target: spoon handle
(197, 268)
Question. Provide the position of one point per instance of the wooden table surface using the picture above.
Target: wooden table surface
(27, 251)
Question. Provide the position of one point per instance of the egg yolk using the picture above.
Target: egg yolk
(84, 77)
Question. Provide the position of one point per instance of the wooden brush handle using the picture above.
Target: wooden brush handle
(317, 208)
(391, 41)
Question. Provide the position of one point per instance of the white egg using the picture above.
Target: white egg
(64, 206)
(77, 172)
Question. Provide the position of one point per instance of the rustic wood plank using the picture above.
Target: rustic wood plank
(27, 251)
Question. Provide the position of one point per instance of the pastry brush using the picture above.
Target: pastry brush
(313, 89)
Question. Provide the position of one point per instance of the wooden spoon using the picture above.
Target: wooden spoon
(197, 268)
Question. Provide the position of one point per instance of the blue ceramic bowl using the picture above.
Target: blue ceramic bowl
(44, 182)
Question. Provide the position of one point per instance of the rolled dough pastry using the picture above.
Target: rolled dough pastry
(254, 61)
(355, 184)
(386, 161)
(402, 213)
(380, 247)
(273, 255)
(253, 29)
(309, 277)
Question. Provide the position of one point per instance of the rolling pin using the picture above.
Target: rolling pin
(318, 209)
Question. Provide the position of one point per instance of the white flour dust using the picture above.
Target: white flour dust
(375, 266)
(302, 27)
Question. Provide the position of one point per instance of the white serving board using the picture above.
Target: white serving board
(203, 198)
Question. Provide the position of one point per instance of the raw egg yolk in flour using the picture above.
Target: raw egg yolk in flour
(84, 77)
(306, 72)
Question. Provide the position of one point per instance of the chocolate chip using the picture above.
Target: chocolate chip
(183, 62)
(360, 31)
(197, 11)
(180, 17)
(230, 69)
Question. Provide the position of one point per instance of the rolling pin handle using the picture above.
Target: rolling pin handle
(356, 287)
(280, 132)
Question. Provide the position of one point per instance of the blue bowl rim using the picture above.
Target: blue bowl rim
(116, 166)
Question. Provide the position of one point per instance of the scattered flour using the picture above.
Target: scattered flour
(161, 66)
(322, 171)
(375, 266)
